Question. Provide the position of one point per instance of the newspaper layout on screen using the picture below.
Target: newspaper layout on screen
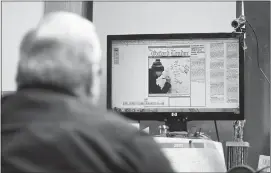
(176, 75)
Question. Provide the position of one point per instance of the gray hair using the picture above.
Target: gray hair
(62, 51)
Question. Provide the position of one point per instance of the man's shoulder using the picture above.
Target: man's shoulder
(91, 133)
(110, 123)
(112, 126)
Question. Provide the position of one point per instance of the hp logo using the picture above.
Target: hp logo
(174, 114)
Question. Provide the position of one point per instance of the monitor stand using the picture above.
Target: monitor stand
(176, 124)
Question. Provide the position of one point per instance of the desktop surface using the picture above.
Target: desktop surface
(193, 155)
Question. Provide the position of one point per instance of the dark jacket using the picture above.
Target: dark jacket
(154, 88)
(46, 130)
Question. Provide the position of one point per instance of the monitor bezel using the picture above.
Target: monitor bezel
(161, 116)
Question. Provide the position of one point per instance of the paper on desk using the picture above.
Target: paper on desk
(195, 160)
(204, 159)
(263, 162)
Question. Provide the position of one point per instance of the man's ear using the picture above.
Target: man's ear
(95, 89)
(88, 84)
(27, 41)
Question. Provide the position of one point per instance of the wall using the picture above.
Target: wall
(71, 6)
(17, 19)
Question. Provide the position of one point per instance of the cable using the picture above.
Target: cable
(217, 135)
(258, 62)
(262, 169)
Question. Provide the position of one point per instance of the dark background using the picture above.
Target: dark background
(257, 90)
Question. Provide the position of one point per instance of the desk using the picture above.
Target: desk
(193, 155)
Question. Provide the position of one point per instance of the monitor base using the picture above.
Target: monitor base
(176, 124)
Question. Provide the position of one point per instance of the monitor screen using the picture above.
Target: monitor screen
(175, 75)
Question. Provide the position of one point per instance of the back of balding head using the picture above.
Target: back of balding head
(68, 27)
(60, 50)
(65, 24)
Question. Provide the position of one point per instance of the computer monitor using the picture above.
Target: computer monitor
(192, 76)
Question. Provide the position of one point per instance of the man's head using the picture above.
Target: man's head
(157, 68)
(62, 51)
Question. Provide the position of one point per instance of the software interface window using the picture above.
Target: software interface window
(175, 75)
